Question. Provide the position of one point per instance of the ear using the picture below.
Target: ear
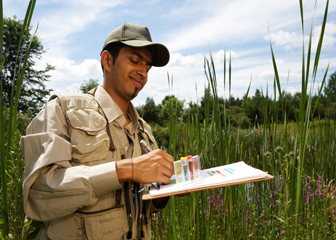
(106, 60)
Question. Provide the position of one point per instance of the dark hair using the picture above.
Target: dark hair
(114, 49)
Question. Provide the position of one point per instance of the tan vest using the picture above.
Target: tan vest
(92, 139)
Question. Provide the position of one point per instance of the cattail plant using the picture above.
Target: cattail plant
(7, 136)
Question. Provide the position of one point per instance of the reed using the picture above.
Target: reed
(7, 137)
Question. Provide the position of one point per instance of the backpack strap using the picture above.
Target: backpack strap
(92, 92)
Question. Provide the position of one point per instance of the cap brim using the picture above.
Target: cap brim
(160, 52)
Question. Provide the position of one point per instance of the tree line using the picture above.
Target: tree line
(247, 111)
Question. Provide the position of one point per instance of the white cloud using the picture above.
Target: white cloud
(73, 30)
(227, 22)
(329, 38)
(290, 40)
(68, 76)
(266, 76)
(57, 27)
(219, 56)
(293, 90)
(82, 70)
(286, 39)
(176, 59)
(74, 88)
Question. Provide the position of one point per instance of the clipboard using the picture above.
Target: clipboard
(222, 176)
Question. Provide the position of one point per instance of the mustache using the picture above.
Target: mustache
(139, 78)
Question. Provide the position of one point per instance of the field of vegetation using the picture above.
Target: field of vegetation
(272, 209)
(292, 137)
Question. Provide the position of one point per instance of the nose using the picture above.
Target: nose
(142, 71)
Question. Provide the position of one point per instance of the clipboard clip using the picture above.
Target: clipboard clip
(150, 187)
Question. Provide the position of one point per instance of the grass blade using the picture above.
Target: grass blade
(6, 146)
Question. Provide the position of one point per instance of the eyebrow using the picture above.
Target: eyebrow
(142, 58)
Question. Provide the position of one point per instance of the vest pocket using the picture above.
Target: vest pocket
(111, 224)
(106, 225)
(89, 140)
(64, 228)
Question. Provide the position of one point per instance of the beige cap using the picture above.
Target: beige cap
(138, 36)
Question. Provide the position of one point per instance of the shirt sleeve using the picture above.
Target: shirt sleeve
(53, 187)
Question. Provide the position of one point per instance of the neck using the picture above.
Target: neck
(122, 104)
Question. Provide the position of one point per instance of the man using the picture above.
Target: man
(84, 163)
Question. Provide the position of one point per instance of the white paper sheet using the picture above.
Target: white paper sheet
(235, 172)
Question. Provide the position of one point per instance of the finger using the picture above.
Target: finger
(167, 172)
(165, 155)
(166, 164)
(165, 179)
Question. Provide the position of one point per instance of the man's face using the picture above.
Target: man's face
(129, 72)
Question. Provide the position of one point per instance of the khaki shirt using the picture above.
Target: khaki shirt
(70, 174)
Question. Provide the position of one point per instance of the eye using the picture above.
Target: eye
(134, 60)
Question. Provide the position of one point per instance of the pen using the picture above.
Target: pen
(145, 146)
(148, 149)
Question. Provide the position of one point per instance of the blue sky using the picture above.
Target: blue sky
(74, 31)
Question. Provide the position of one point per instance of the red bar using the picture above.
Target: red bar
(220, 173)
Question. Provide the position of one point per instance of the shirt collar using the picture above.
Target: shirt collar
(112, 110)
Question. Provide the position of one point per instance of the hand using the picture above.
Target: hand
(155, 166)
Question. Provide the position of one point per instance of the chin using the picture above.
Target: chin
(135, 93)
(133, 96)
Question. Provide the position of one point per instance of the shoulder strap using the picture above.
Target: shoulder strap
(92, 91)
(63, 101)
(112, 147)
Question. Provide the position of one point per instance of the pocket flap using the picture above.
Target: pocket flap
(108, 225)
(87, 120)
(64, 227)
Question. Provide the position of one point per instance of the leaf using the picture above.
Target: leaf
(278, 218)
(26, 224)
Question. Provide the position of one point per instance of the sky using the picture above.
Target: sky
(73, 33)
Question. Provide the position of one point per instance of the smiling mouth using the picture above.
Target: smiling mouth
(138, 82)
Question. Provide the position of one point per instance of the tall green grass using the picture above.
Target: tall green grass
(8, 132)
(299, 203)
(305, 104)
